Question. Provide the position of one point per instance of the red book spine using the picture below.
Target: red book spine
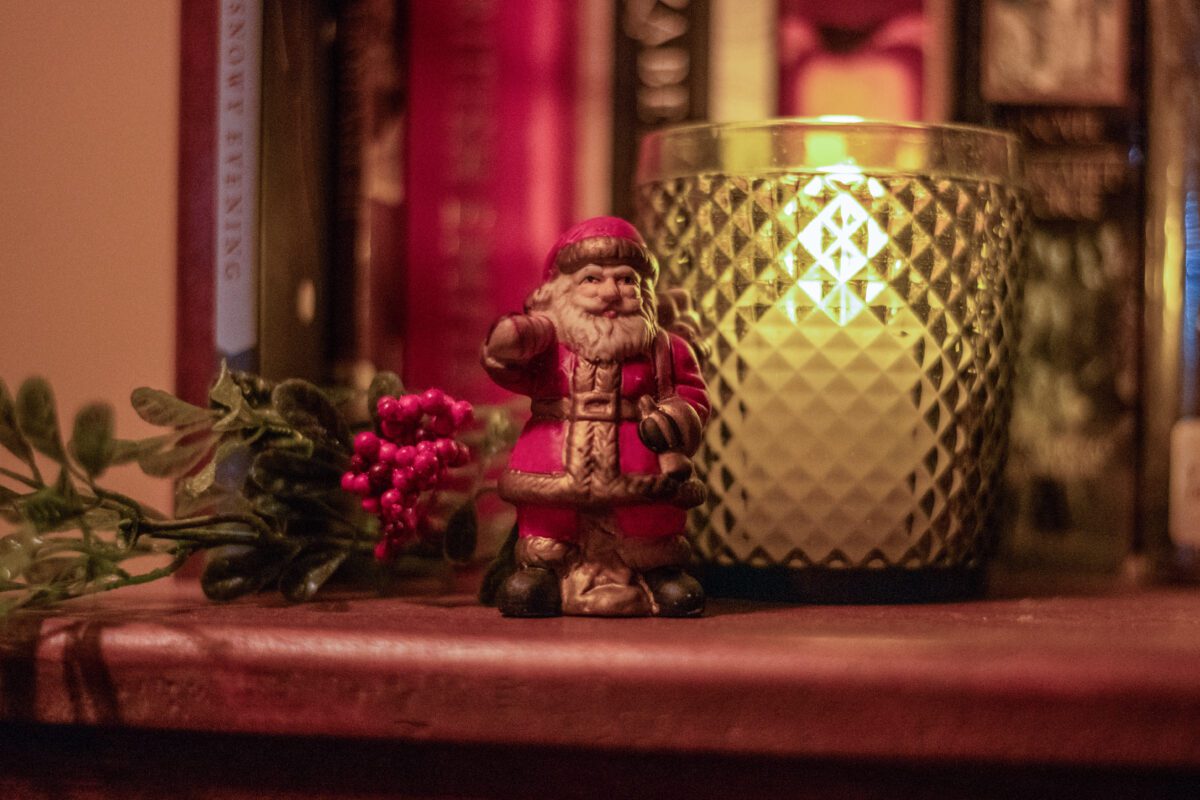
(194, 350)
(490, 164)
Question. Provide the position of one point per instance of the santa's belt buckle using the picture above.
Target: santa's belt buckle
(595, 406)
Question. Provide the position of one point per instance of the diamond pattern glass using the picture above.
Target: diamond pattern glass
(862, 329)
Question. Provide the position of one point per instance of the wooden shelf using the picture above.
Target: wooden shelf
(1098, 681)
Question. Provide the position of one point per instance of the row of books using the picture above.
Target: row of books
(366, 184)
(360, 178)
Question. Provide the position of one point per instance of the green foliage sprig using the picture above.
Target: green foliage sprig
(258, 475)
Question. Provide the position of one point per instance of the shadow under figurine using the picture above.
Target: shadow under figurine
(601, 475)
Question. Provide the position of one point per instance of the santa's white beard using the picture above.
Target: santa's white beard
(598, 338)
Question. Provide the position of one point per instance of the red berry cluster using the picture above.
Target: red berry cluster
(411, 455)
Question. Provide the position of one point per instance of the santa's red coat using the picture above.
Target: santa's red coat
(541, 447)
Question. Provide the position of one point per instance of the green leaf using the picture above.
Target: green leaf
(266, 505)
(313, 528)
(92, 438)
(236, 419)
(177, 460)
(57, 569)
(500, 433)
(305, 408)
(235, 571)
(95, 519)
(308, 572)
(338, 459)
(462, 533)
(340, 395)
(215, 498)
(66, 488)
(16, 554)
(255, 388)
(38, 419)
(235, 409)
(10, 435)
(203, 480)
(284, 472)
(47, 508)
(165, 409)
(127, 450)
(225, 391)
(287, 505)
(384, 383)
(271, 419)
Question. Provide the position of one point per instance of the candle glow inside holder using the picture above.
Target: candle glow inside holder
(858, 282)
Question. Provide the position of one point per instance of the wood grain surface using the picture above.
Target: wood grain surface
(1056, 680)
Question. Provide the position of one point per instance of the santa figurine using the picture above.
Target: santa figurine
(601, 476)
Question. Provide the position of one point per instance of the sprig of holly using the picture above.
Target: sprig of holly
(258, 472)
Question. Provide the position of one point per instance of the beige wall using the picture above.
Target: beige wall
(88, 118)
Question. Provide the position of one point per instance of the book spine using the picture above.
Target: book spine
(294, 178)
(253, 190)
(370, 112)
(489, 172)
(1169, 480)
(743, 60)
(196, 253)
(594, 133)
(235, 302)
(1067, 79)
(660, 78)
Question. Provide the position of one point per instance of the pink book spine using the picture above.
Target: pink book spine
(491, 149)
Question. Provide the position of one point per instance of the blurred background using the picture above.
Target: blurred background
(323, 189)
(88, 151)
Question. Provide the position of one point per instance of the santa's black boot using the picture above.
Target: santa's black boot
(530, 592)
(676, 593)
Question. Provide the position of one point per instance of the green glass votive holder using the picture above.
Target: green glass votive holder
(859, 286)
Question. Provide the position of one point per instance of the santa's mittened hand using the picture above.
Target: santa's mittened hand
(657, 432)
(519, 337)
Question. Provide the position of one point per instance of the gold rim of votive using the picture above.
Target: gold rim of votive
(830, 144)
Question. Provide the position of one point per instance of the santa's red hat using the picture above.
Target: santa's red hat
(604, 241)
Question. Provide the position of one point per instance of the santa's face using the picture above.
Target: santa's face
(601, 313)
(609, 292)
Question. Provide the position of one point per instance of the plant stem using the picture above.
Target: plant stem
(16, 476)
(64, 545)
(153, 527)
(181, 555)
(37, 473)
(208, 537)
(364, 545)
(41, 596)
(140, 508)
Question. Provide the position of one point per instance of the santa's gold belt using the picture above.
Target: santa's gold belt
(587, 406)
